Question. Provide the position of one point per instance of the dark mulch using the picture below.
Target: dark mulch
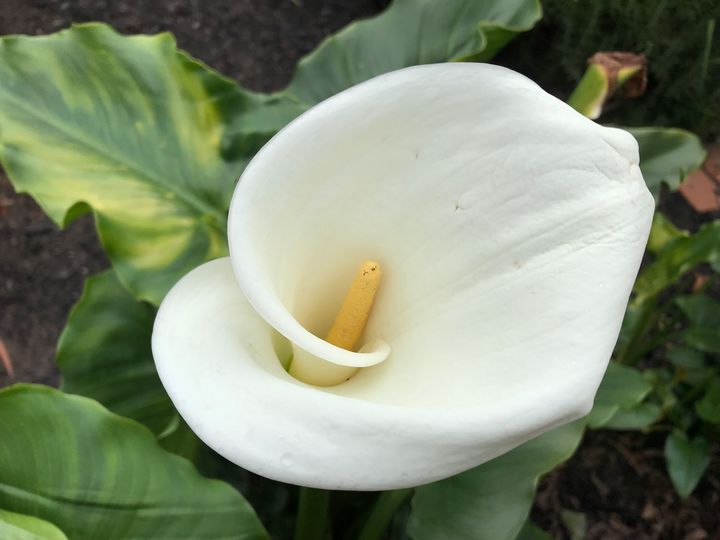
(42, 271)
(617, 480)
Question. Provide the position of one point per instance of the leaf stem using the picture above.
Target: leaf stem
(381, 514)
(627, 355)
(312, 517)
(590, 93)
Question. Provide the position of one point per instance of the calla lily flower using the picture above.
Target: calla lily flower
(509, 229)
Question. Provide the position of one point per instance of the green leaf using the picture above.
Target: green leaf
(662, 233)
(179, 439)
(530, 531)
(621, 387)
(667, 156)
(408, 33)
(575, 523)
(662, 380)
(700, 309)
(686, 461)
(703, 339)
(708, 408)
(634, 418)
(689, 359)
(689, 364)
(679, 256)
(104, 353)
(134, 130)
(67, 460)
(21, 527)
(491, 501)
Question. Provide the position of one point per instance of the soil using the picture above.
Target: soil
(617, 480)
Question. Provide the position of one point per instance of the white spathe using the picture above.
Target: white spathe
(510, 230)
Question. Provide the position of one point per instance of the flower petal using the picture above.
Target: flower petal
(218, 361)
(510, 230)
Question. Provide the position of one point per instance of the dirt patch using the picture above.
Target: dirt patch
(42, 271)
(618, 480)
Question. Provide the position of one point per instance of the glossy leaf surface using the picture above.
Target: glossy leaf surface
(104, 353)
(93, 474)
(408, 33)
(667, 156)
(132, 129)
(15, 526)
(621, 388)
(491, 501)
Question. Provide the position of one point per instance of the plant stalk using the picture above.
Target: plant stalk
(628, 354)
(381, 514)
(312, 517)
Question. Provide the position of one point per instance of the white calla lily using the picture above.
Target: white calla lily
(509, 229)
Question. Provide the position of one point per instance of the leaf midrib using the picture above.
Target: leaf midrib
(185, 510)
(195, 204)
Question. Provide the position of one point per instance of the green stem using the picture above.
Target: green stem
(312, 518)
(594, 88)
(705, 59)
(381, 514)
(590, 93)
(645, 319)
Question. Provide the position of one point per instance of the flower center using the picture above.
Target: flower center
(345, 332)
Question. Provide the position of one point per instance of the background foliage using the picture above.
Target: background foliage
(679, 38)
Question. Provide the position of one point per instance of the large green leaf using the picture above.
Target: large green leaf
(667, 156)
(67, 460)
(491, 501)
(621, 387)
(152, 141)
(134, 130)
(15, 526)
(408, 33)
(104, 353)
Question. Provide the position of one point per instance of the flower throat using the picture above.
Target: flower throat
(346, 331)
